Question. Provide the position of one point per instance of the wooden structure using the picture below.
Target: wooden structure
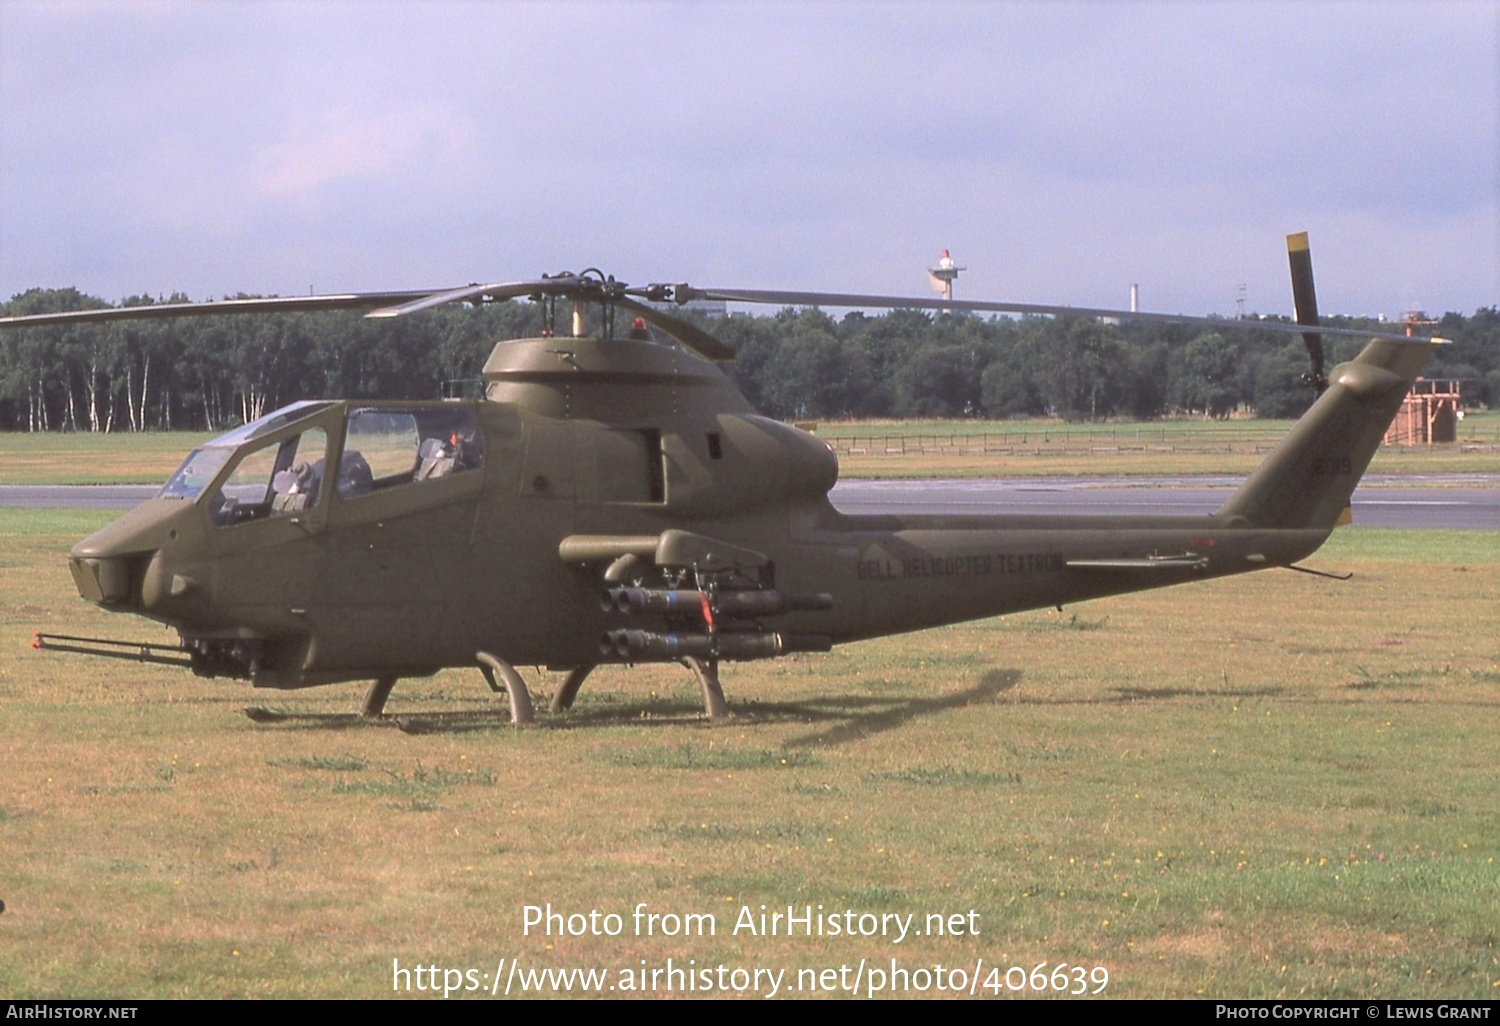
(1429, 414)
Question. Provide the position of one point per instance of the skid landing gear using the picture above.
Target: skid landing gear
(501, 676)
(707, 672)
(371, 709)
(374, 704)
(568, 689)
(513, 686)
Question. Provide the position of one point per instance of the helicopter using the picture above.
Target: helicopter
(616, 500)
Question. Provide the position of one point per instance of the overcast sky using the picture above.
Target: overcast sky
(1061, 151)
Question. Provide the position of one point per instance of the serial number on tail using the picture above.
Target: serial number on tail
(1332, 466)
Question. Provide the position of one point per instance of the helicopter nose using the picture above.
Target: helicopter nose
(114, 566)
(102, 581)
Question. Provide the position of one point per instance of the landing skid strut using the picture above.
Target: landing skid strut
(514, 686)
(501, 676)
(374, 704)
(707, 672)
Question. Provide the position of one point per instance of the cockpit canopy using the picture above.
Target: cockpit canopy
(277, 465)
(204, 463)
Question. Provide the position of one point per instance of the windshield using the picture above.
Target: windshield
(205, 462)
(195, 473)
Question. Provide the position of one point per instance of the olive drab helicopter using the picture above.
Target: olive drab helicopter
(615, 500)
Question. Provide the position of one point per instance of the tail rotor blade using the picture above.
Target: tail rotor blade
(1305, 299)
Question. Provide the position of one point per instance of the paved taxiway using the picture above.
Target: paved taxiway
(1451, 502)
(1447, 502)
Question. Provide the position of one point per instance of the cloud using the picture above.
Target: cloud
(1061, 150)
(338, 146)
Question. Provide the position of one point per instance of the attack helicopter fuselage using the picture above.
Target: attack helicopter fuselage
(619, 501)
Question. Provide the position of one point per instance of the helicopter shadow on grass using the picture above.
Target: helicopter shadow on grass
(1130, 696)
(347, 721)
(849, 717)
(863, 716)
(657, 713)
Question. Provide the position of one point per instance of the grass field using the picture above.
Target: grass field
(1274, 785)
(83, 458)
(966, 448)
(1027, 448)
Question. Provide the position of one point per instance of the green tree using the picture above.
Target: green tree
(1280, 390)
(1203, 377)
(1080, 367)
(938, 381)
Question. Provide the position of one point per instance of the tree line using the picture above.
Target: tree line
(212, 373)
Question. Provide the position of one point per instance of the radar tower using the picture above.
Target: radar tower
(942, 277)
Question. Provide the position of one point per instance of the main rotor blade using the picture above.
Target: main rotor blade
(426, 301)
(273, 304)
(386, 304)
(690, 335)
(685, 293)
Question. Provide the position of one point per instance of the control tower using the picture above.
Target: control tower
(942, 277)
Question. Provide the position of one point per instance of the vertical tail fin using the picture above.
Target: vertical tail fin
(1308, 479)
